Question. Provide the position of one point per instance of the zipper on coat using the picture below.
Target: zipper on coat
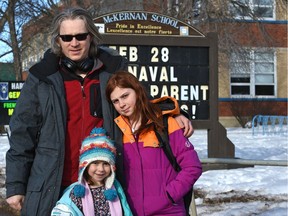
(82, 88)
(82, 107)
(141, 163)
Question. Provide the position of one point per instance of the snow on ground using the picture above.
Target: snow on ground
(259, 190)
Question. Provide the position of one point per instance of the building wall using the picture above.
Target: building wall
(273, 106)
(223, 76)
(282, 73)
(281, 10)
(275, 36)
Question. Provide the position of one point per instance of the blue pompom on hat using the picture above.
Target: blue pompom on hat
(97, 146)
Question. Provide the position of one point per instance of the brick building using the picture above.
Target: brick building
(256, 84)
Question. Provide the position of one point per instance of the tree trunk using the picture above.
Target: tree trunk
(14, 42)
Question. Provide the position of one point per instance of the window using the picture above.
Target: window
(252, 73)
(253, 9)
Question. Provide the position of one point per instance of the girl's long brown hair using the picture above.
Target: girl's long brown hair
(146, 109)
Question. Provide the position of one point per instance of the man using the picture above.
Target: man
(57, 109)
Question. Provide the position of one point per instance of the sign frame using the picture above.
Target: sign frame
(218, 143)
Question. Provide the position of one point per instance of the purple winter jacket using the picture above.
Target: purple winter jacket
(149, 175)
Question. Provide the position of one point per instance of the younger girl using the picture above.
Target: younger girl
(97, 192)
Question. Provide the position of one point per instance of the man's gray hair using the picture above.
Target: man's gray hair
(72, 14)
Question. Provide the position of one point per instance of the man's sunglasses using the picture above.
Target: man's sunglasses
(79, 37)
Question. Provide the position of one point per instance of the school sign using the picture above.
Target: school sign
(172, 58)
(165, 67)
(144, 23)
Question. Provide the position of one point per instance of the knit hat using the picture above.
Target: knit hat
(97, 146)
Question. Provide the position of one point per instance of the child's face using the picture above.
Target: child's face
(124, 100)
(98, 171)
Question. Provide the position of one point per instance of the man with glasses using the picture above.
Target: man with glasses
(61, 101)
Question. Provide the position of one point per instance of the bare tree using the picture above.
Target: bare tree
(14, 15)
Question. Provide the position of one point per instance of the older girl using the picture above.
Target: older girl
(153, 186)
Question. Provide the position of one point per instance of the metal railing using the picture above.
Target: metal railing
(245, 161)
(270, 124)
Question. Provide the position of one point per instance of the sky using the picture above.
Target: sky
(258, 190)
(6, 58)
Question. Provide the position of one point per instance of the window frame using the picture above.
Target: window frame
(252, 7)
(252, 75)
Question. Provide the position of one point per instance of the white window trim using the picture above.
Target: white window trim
(252, 83)
(260, 18)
